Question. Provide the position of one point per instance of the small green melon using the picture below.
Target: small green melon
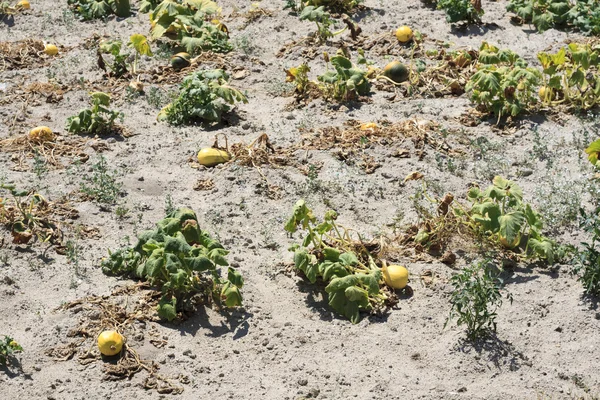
(180, 61)
(396, 71)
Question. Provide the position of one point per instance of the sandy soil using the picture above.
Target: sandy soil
(285, 343)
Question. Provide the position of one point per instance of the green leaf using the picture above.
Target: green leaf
(348, 259)
(306, 264)
(179, 278)
(140, 44)
(331, 270)
(155, 263)
(593, 151)
(340, 303)
(200, 263)
(112, 47)
(313, 14)
(231, 294)
(543, 248)
(511, 225)
(235, 277)
(204, 6)
(169, 225)
(358, 295)
(341, 283)
(371, 281)
(167, 308)
(99, 9)
(177, 244)
(577, 78)
(489, 214)
(331, 254)
(301, 216)
(172, 263)
(100, 98)
(341, 62)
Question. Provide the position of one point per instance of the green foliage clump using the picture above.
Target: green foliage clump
(460, 10)
(98, 9)
(327, 253)
(583, 15)
(500, 213)
(337, 6)
(192, 23)
(7, 348)
(182, 261)
(572, 76)
(503, 84)
(96, 120)
(204, 97)
(346, 81)
(119, 65)
(475, 300)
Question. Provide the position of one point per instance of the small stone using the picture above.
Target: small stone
(246, 126)
(526, 172)
(111, 140)
(302, 382)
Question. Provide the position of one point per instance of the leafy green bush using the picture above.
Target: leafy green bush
(7, 348)
(346, 81)
(97, 120)
(500, 213)
(204, 97)
(461, 10)
(119, 60)
(331, 5)
(503, 83)
(97, 9)
(191, 23)
(327, 253)
(475, 300)
(572, 76)
(182, 261)
(583, 15)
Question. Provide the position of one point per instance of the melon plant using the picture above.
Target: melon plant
(499, 213)
(204, 97)
(346, 81)
(98, 9)
(353, 282)
(182, 261)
